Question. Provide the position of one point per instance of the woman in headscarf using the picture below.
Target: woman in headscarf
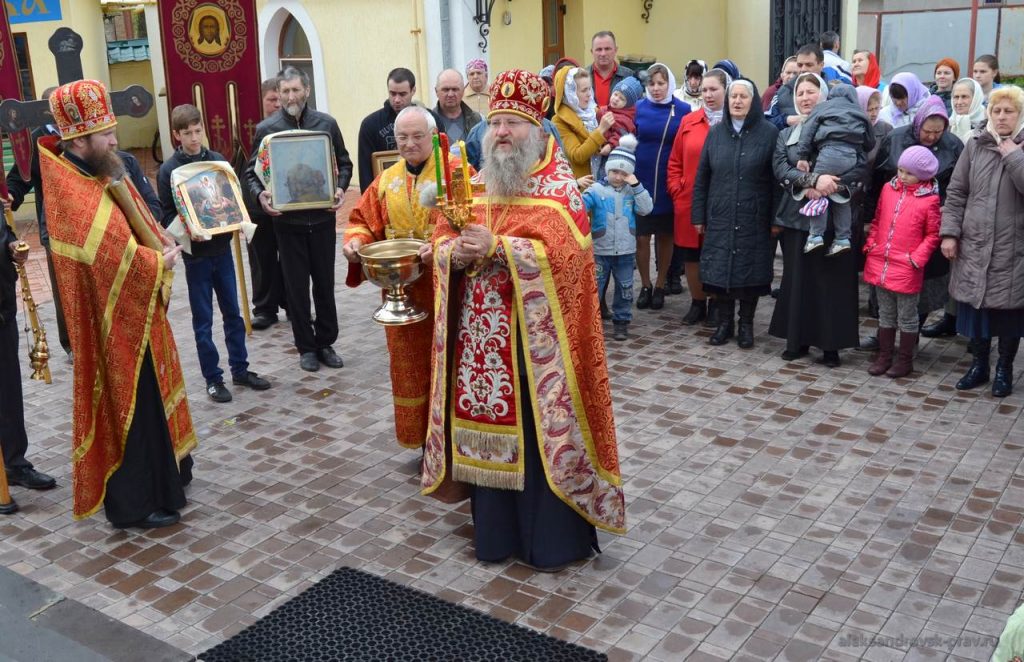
(682, 169)
(817, 304)
(930, 129)
(734, 197)
(689, 91)
(906, 94)
(983, 237)
(866, 71)
(658, 116)
(947, 71)
(576, 121)
(968, 101)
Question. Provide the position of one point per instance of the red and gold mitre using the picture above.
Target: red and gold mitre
(81, 108)
(520, 92)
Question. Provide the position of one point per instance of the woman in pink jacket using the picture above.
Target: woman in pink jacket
(904, 234)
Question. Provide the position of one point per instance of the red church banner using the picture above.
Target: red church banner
(211, 60)
(10, 88)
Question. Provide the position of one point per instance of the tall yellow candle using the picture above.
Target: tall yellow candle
(465, 170)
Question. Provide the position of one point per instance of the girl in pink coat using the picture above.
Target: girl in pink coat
(903, 235)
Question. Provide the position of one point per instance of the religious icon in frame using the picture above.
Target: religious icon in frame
(297, 167)
(208, 198)
(384, 160)
(209, 30)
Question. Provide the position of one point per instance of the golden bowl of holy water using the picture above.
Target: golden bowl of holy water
(392, 265)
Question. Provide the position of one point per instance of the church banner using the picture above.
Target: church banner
(10, 88)
(211, 60)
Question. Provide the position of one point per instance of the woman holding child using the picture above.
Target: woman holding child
(576, 120)
(734, 198)
(817, 302)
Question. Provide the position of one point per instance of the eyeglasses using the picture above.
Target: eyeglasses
(510, 124)
(414, 138)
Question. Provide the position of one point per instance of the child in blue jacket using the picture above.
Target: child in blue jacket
(613, 204)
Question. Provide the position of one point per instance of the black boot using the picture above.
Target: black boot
(945, 326)
(711, 321)
(698, 312)
(1002, 384)
(977, 374)
(726, 309)
(745, 332)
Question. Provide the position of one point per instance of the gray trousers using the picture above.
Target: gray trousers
(897, 310)
(839, 159)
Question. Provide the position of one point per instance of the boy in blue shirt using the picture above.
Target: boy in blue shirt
(208, 269)
(613, 204)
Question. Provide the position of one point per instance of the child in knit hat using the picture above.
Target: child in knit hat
(903, 235)
(613, 204)
(622, 105)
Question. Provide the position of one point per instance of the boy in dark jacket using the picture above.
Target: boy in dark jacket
(208, 269)
(837, 136)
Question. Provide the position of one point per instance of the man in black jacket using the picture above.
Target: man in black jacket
(377, 131)
(13, 438)
(457, 118)
(306, 239)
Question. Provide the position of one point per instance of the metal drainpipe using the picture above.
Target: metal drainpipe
(446, 33)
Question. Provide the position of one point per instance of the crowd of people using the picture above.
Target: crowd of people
(584, 177)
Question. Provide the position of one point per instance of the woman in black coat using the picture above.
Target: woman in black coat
(817, 302)
(733, 205)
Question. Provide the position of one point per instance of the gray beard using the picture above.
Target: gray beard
(505, 174)
(295, 109)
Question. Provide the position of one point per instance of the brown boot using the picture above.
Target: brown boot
(883, 360)
(904, 364)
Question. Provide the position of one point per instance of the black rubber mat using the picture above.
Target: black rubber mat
(353, 615)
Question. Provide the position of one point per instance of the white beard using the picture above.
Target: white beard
(506, 172)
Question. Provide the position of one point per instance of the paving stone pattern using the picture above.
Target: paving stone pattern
(775, 510)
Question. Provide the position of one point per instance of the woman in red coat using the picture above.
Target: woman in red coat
(682, 170)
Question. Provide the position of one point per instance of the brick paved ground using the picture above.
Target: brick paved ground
(776, 510)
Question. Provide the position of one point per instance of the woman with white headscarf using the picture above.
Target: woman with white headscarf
(576, 121)
(968, 102)
(658, 116)
(734, 197)
(817, 304)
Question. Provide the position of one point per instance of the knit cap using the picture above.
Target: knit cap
(919, 162)
(623, 157)
(630, 88)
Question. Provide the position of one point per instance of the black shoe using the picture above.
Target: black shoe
(250, 379)
(978, 373)
(644, 300)
(621, 330)
(829, 359)
(309, 362)
(605, 313)
(945, 326)
(793, 355)
(30, 478)
(263, 321)
(1002, 384)
(675, 285)
(868, 343)
(218, 392)
(155, 520)
(330, 358)
(658, 298)
(775, 292)
(9, 508)
(697, 313)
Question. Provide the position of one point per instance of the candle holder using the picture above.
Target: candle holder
(458, 210)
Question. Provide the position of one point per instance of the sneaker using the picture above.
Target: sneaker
(621, 330)
(813, 243)
(838, 246)
(218, 392)
(250, 379)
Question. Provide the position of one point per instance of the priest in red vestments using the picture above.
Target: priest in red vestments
(520, 403)
(390, 208)
(131, 425)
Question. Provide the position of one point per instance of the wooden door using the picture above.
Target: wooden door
(554, 31)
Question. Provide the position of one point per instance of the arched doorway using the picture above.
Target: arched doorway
(289, 38)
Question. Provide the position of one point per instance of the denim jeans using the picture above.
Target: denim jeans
(206, 275)
(619, 267)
